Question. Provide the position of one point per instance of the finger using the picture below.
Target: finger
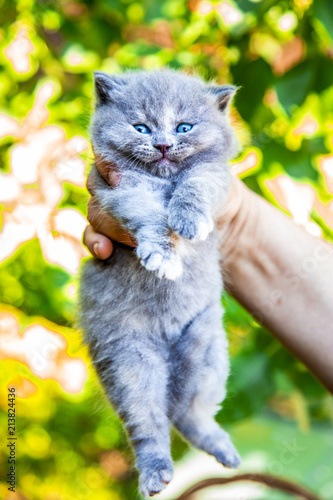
(108, 225)
(90, 184)
(98, 245)
(102, 165)
(108, 170)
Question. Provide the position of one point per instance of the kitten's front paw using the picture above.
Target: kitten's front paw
(153, 257)
(171, 268)
(205, 227)
(190, 225)
(156, 475)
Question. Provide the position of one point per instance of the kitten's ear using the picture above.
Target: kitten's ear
(224, 95)
(106, 87)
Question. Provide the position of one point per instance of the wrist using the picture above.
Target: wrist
(237, 228)
(232, 223)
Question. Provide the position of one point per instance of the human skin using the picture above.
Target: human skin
(273, 267)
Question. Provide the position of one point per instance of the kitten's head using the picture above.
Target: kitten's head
(161, 121)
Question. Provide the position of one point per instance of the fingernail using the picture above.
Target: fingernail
(114, 177)
(96, 249)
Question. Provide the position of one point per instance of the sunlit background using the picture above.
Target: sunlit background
(70, 444)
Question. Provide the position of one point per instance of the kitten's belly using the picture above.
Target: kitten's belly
(122, 291)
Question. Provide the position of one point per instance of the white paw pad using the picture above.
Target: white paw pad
(204, 228)
(153, 262)
(170, 268)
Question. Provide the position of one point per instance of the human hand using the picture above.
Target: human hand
(103, 228)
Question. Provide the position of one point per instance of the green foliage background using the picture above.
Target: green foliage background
(63, 436)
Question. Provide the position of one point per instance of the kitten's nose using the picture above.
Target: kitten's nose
(163, 147)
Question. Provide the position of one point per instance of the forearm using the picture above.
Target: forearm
(284, 277)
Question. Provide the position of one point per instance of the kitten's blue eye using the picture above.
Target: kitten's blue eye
(143, 129)
(183, 128)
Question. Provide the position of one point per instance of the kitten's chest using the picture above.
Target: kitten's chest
(175, 304)
(162, 307)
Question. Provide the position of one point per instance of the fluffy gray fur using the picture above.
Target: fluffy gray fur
(152, 316)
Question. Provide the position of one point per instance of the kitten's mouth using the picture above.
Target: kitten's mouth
(164, 160)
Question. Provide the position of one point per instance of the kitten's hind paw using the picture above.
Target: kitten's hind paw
(226, 454)
(153, 257)
(155, 476)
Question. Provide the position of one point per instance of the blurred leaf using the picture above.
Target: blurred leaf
(253, 86)
(250, 385)
(294, 86)
(323, 11)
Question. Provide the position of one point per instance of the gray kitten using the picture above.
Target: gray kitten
(152, 316)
